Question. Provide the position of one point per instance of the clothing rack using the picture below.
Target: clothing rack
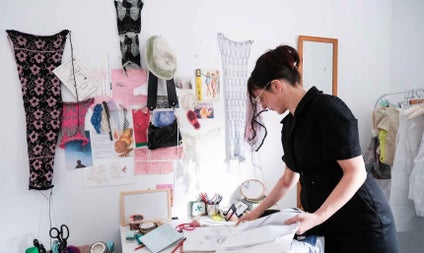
(413, 96)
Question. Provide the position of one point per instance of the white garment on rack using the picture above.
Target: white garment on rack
(417, 112)
(408, 140)
(416, 179)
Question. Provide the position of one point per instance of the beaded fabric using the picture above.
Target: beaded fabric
(130, 51)
(235, 57)
(36, 57)
(128, 15)
(96, 117)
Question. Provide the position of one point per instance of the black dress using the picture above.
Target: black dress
(322, 131)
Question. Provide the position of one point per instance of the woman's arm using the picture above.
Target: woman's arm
(354, 175)
(286, 181)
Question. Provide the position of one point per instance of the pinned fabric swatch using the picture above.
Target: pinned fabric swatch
(73, 122)
(235, 59)
(130, 51)
(128, 14)
(36, 58)
(123, 85)
(141, 119)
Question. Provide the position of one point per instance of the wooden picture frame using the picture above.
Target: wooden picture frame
(321, 57)
(154, 205)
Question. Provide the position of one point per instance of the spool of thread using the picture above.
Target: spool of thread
(135, 220)
(147, 227)
(98, 247)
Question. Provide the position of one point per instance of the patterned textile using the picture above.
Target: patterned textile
(73, 122)
(129, 25)
(36, 58)
(235, 56)
(130, 49)
(128, 15)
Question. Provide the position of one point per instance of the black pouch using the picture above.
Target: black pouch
(166, 136)
(160, 137)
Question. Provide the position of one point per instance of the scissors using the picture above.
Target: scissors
(61, 235)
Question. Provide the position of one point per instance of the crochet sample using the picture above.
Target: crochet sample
(128, 15)
(73, 122)
(235, 56)
(130, 50)
(36, 58)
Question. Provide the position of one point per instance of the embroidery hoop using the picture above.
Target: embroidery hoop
(252, 189)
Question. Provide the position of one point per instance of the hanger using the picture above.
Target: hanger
(410, 97)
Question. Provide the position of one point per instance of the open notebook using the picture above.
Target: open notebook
(263, 230)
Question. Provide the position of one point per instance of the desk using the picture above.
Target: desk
(128, 246)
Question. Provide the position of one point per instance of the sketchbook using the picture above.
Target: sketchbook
(161, 238)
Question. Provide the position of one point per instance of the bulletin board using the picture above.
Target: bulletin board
(154, 205)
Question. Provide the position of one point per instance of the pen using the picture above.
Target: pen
(204, 198)
(139, 247)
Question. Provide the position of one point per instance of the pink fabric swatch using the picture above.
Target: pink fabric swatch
(123, 86)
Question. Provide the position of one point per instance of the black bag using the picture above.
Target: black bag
(167, 136)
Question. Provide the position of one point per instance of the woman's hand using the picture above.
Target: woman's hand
(306, 221)
(248, 216)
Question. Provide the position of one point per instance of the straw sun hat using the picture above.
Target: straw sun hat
(160, 58)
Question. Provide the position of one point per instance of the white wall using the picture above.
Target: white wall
(372, 36)
(407, 45)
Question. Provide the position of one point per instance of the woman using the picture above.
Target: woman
(321, 148)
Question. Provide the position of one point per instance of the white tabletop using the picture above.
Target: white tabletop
(129, 245)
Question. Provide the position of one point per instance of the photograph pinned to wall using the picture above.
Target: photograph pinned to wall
(162, 102)
(204, 110)
(163, 117)
(208, 80)
(109, 172)
(184, 83)
(124, 142)
(78, 156)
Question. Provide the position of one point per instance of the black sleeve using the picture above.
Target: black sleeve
(338, 129)
(285, 140)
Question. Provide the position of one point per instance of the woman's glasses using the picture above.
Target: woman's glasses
(258, 98)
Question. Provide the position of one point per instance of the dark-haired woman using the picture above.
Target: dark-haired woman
(321, 149)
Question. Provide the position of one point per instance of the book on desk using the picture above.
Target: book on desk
(161, 238)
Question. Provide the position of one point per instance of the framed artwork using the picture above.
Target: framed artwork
(154, 205)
